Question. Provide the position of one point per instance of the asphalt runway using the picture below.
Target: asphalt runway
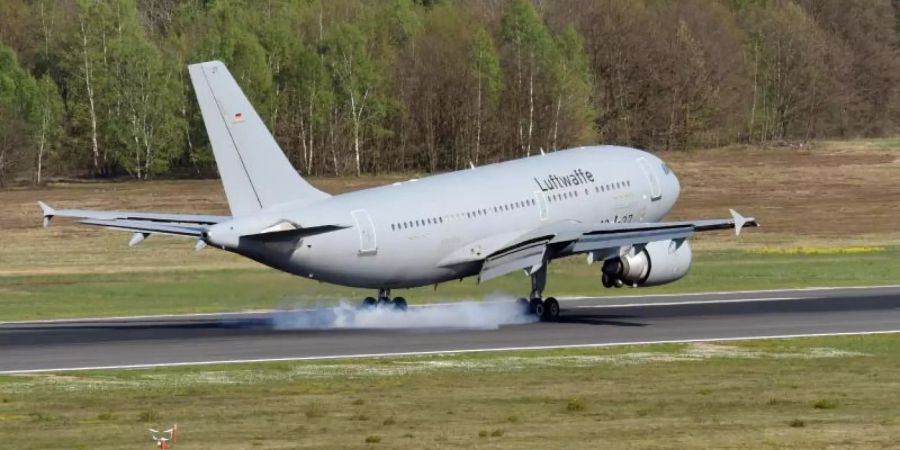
(242, 337)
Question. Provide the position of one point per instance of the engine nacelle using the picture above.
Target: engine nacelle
(657, 263)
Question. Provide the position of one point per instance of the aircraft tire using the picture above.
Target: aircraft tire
(369, 303)
(399, 303)
(551, 309)
(537, 307)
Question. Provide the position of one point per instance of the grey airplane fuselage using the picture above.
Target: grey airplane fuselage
(439, 228)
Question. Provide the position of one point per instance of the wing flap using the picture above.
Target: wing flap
(524, 257)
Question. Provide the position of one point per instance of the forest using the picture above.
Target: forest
(99, 89)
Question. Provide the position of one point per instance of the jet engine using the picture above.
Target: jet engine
(656, 263)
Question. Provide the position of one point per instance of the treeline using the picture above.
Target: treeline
(100, 88)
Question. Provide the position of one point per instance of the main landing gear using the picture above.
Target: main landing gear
(546, 309)
(384, 301)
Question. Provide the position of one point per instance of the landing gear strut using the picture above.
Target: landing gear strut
(546, 309)
(384, 300)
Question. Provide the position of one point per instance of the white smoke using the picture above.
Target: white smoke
(478, 315)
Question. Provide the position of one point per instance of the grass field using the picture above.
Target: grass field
(190, 291)
(823, 199)
(836, 392)
(830, 218)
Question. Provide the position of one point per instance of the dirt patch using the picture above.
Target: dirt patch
(829, 189)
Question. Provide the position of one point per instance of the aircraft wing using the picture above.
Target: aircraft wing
(91, 215)
(567, 238)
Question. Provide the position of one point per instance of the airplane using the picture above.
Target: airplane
(606, 202)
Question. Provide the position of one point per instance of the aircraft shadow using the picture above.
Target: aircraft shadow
(599, 319)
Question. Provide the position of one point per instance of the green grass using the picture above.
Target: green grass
(838, 392)
(60, 296)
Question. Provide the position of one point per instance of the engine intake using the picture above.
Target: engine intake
(657, 263)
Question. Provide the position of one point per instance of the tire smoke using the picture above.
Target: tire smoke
(489, 314)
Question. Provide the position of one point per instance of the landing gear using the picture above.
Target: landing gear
(551, 308)
(537, 307)
(384, 300)
(546, 309)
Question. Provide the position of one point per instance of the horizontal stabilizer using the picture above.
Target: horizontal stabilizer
(199, 219)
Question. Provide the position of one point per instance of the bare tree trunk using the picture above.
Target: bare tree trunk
(556, 120)
(46, 30)
(755, 92)
(88, 75)
(355, 132)
(356, 111)
(530, 110)
(42, 145)
(334, 159)
(478, 123)
(309, 163)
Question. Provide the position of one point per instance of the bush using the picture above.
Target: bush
(797, 423)
(825, 404)
(373, 439)
(148, 416)
(576, 404)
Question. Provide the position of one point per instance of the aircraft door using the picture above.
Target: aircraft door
(543, 207)
(655, 189)
(367, 243)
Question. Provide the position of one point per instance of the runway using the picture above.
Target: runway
(229, 338)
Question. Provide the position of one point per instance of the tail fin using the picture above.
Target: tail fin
(254, 170)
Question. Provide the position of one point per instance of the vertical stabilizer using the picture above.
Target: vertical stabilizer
(254, 170)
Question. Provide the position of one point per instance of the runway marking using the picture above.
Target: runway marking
(760, 291)
(565, 299)
(443, 352)
(696, 302)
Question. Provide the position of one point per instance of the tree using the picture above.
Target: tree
(528, 44)
(572, 89)
(795, 73)
(49, 132)
(484, 67)
(18, 98)
(356, 78)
